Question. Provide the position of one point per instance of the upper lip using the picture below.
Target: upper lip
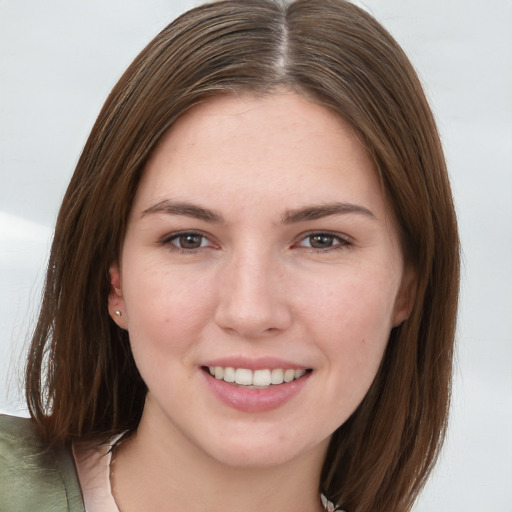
(258, 363)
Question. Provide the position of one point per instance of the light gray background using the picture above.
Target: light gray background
(60, 58)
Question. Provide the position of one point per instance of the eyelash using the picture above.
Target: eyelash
(339, 241)
(169, 239)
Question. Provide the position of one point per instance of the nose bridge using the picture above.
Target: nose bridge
(250, 303)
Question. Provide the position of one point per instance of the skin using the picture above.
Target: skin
(262, 280)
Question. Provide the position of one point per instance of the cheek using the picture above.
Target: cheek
(166, 311)
(351, 302)
(350, 320)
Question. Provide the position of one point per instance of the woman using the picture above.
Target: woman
(252, 290)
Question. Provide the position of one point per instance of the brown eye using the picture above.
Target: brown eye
(189, 241)
(322, 241)
(186, 241)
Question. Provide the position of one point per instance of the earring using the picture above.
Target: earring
(118, 313)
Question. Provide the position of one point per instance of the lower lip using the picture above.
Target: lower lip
(255, 400)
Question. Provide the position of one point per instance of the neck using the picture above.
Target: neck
(159, 469)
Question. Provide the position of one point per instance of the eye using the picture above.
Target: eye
(186, 241)
(323, 241)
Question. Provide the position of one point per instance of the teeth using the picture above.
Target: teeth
(258, 378)
(229, 374)
(277, 376)
(243, 376)
(261, 378)
(289, 375)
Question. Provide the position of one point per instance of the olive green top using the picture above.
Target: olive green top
(33, 477)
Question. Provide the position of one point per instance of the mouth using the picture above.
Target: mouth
(255, 379)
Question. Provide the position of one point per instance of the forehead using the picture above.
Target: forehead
(280, 147)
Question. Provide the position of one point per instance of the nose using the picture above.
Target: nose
(253, 301)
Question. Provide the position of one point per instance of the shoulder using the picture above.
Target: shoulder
(32, 475)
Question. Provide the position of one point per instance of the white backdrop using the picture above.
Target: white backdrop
(60, 58)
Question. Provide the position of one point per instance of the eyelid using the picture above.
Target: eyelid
(167, 240)
(344, 240)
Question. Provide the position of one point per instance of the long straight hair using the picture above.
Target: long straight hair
(82, 381)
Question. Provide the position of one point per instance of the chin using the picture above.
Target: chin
(265, 450)
(258, 458)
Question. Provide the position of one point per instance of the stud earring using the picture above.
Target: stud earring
(118, 313)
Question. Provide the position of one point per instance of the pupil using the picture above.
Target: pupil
(190, 241)
(321, 241)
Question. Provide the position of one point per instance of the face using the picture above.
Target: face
(259, 279)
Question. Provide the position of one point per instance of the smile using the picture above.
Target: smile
(256, 379)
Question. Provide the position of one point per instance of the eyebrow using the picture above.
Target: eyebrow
(185, 209)
(290, 217)
(326, 210)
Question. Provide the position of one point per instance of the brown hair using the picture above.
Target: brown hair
(81, 377)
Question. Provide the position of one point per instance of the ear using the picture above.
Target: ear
(116, 306)
(406, 297)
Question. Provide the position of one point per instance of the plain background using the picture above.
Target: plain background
(60, 58)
